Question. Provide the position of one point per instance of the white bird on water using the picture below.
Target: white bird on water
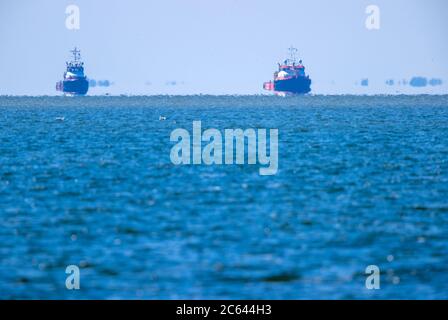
(162, 118)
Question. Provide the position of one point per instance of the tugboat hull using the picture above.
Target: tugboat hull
(73, 87)
(299, 85)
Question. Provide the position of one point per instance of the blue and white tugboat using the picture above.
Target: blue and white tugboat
(290, 77)
(75, 82)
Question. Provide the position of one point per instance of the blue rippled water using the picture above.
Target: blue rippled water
(88, 181)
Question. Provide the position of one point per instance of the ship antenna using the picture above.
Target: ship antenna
(292, 54)
(76, 54)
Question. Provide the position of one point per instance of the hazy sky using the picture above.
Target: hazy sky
(223, 46)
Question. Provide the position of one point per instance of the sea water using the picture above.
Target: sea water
(88, 181)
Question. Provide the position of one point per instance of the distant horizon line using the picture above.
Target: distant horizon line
(223, 95)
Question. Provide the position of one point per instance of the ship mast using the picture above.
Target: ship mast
(76, 54)
(292, 55)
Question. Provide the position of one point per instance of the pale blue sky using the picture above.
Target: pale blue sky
(223, 46)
